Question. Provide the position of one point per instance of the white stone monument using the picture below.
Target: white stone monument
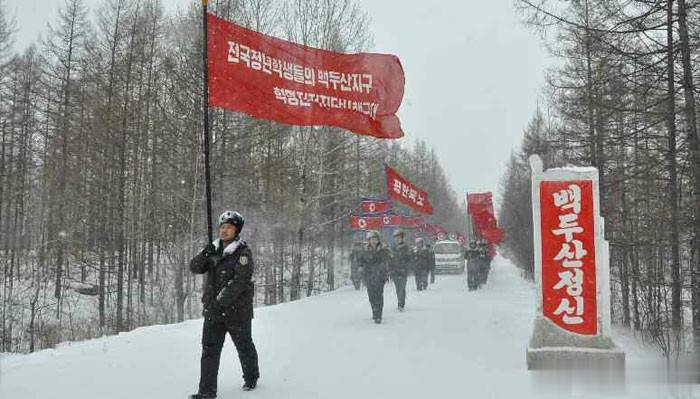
(572, 272)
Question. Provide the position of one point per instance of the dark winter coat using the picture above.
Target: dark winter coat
(401, 261)
(424, 260)
(374, 263)
(229, 288)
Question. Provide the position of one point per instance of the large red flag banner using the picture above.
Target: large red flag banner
(404, 191)
(274, 79)
(480, 207)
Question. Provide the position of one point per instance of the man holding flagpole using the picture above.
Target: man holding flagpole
(228, 304)
(268, 78)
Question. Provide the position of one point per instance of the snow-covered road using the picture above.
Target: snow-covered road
(450, 343)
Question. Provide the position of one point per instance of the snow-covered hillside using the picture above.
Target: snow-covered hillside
(450, 343)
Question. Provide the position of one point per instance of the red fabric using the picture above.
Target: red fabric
(410, 222)
(373, 222)
(433, 229)
(273, 79)
(404, 191)
(568, 255)
(376, 206)
(481, 211)
(366, 222)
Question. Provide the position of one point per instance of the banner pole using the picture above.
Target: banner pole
(205, 115)
(469, 218)
(386, 184)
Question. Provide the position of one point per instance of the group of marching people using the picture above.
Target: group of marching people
(373, 263)
(478, 264)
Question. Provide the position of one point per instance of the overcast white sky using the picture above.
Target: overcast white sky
(473, 75)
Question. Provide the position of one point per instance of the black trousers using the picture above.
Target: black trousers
(400, 284)
(213, 335)
(421, 279)
(375, 291)
(473, 274)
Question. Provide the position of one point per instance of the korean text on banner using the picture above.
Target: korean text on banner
(274, 79)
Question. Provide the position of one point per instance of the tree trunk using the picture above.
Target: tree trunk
(694, 150)
(673, 178)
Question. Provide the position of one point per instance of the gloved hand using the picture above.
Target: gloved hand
(217, 309)
(209, 250)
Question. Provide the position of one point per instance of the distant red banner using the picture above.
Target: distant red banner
(274, 79)
(404, 191)
(433, 229)
(376, 205)
(365, 222)
(374, 222)
(480, 207)
(410, 222)
(569, 297)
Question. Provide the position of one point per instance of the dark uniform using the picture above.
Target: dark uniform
(422, 260)
(399, 265)
(355, 274)
(374, 266)
(485, 262)
(228, 308)
(431, 265)
(473, 266)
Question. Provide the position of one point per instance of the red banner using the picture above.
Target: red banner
(433, 229)
(375, 205)
(410, 222)
(373, 222)
(274, 79)
(365, 222)
(406, 192)
(568, 255)
(480, 206)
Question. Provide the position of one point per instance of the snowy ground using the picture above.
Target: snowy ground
(450, 343)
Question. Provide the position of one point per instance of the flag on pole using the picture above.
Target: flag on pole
(374, 221)
(480, 207)
(270, 78)
(372, 205)
(402, 190)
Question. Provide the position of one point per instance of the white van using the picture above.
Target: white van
(449, 257)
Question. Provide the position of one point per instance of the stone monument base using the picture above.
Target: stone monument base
(565, 371)
(570, 358)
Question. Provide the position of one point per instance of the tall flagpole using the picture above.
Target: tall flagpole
(205, 112)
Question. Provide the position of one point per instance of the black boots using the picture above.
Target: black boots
(249, 385)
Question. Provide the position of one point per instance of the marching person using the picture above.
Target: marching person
(228, 304)
(431, 264)
(373, 261)
(401, 258)
(421, 258)
(485, 261)
(473, 266)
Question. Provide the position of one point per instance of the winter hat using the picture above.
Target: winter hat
(232, 217)
(372, 234)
